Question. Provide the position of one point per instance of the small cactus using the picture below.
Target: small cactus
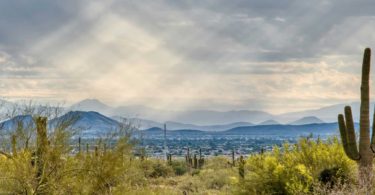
(233, 159)
(169, 159)
(201, 159)
(79, 145)
(96, 151)
(241, 167)
(195, 162)
(142, 154)
(200, 162)
(188, 158)
(14, 144)
(261, 150)
(87, 149)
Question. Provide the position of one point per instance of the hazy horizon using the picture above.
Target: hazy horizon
(76, 105)
(224, 55)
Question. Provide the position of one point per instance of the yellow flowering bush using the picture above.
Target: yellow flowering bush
(293, 169)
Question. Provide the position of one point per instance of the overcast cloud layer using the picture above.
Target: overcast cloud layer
(276, 56)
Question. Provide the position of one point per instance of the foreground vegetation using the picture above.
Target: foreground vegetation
(36, 161)
(309, 167)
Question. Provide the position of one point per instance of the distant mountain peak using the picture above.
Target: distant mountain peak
(307, 120)
(11, 124)
(269, 122)
(90, 123)
(91, 105)
(90, 101)
(154, 129)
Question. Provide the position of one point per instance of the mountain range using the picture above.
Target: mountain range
(210, 117)
(198, 117)
(171, 125)
(80, 123)
(202, 117)
(89, 124)
(205, 120)
(307, 120)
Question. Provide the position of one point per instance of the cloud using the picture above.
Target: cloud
(279, 19)
(241, 54)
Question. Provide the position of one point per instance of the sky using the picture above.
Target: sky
(276, 56)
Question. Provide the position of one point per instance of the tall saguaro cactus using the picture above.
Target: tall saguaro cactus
(363, 152)
(41, 144)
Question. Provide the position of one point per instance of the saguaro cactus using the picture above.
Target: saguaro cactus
(200, 162)
(195, 163)
(363, 153)
(188, 158)
(87, 148)
(261, 150)
(14, 145)
(79, 145)
(169, 159)
(104, 148)
(41, 144)
(233, 159)
(201, 159)
(96, 151)
(241, 167)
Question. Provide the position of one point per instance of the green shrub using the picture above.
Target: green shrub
(160, 169)
(179, 167)
(216, 179)
(217, 163)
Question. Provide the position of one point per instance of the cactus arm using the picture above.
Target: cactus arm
(343, 133)
(351, 139)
